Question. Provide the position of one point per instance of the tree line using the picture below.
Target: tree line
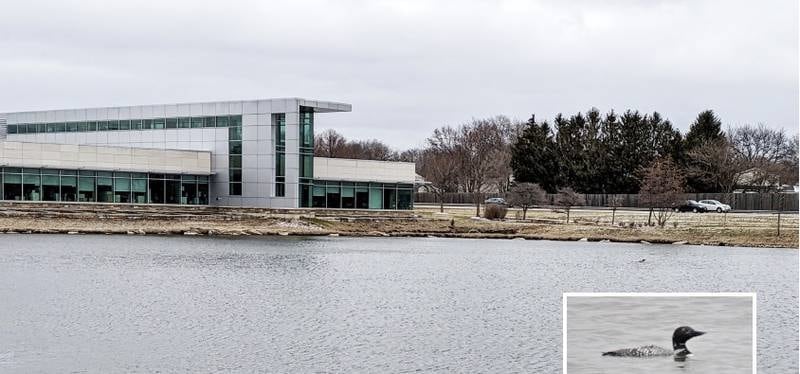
(589, 152)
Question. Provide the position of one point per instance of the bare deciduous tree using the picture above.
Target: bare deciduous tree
(440, 163)
(478, 143)
(662, 189)
(329, 143)
(568, 198)
(717, 164)
(763, 150)
(526, 195)
(615, 201)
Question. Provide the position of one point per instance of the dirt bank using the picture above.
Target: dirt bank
(629, 226)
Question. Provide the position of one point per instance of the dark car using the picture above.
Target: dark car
(691, 206)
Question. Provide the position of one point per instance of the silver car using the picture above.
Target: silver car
(495, 200)
(715, 206)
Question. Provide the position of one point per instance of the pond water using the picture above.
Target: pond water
(80, 303)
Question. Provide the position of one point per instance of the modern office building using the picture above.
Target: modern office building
(253, 153)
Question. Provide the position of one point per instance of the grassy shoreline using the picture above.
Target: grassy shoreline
(747, 230)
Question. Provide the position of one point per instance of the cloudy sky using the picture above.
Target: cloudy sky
(410, 66)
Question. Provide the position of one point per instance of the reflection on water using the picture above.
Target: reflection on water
(598, 324)
(118, 303)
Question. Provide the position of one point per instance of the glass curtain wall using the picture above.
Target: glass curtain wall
(26, 184)
(279, 136)
(234, 154)
(361, 195)
(125, 124)
(306, 180)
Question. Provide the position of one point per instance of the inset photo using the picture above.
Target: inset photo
(659, 333)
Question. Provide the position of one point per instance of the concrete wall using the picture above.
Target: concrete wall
(363, 170)
(89, 157)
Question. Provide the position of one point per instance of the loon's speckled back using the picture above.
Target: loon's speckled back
(679, 338)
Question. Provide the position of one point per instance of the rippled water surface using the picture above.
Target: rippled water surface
(121, 304)
(598, 324)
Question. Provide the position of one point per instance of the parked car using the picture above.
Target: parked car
(714, 205)
(495, 200)
(691, 206)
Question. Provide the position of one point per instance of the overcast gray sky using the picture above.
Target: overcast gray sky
(410, 66)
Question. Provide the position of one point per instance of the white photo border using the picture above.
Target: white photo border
(565, 295)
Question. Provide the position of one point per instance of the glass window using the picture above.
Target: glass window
(404, 199)
(42, 127)
(306, 166)
(31, 128)
(113, 125)
(72, 127)
(222, 121)
(172, 123)
(139, 191)
(305, 195)
(208, 122)
(69, 188)
(235, 189)
(156, 190)
(173, 191)
(102, 125)
(235, 147)
(235, 121)
(202, 190)
(148, 124)
(235, 175)
(51, 127)
(105, 188)
(318, 196)
(280, 164)
(280, 186)
(389, 198)
(125, 124)
(375, 198)
(184, 123)
(12, 129)
(86, 188)
(83, 126)
(189, 192)
(12, 186)
(362, 197)
(51, 187)
(348, 197)
(122, 190)
(234, 133)
(137, 124)
(158, 123)
(31, 187)
(197, 122)
(235, 161)
(306, 127)
(333, 196)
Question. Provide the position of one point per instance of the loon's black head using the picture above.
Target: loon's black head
(681, 335)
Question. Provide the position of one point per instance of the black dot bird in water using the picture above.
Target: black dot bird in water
(679, 350)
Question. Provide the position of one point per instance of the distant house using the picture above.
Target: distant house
(758, 179)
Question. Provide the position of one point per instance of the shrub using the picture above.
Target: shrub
(495, 211)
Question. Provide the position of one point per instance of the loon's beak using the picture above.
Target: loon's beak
(698, 333)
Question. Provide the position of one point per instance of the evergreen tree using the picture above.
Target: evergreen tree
(534, 157)
(706, 130)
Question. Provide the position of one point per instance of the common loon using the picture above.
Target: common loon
(679, 338)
